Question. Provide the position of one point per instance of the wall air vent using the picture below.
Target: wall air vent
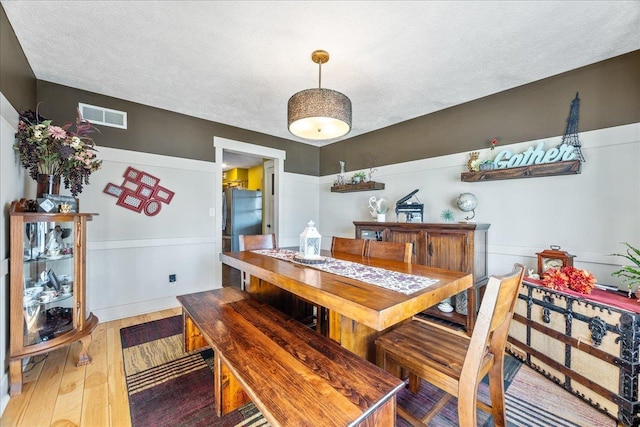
(103, 116)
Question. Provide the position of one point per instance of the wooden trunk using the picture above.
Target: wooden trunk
(586, 346)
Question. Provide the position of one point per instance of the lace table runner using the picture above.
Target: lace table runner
(393, 280)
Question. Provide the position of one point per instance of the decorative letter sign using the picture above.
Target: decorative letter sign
(506, 159)
(140, 192)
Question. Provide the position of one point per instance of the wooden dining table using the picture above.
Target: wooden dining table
(359, 311)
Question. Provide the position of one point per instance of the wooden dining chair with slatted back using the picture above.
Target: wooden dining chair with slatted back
(394, 251)
(249, 242)
(454, 362)
(347, 246)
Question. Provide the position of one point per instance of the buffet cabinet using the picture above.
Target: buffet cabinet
(47, 287)
(584, 343)
(458, 247)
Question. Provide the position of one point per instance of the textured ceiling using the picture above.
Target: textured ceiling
(238, 63)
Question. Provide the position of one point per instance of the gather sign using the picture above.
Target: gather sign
(534, 156)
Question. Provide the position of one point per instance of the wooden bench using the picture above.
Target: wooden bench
(295, 376)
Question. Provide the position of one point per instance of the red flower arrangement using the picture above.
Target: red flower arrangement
(572, 278)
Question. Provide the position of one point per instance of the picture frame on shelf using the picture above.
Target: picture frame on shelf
(50, 203)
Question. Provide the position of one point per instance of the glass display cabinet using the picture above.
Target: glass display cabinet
(47, 296)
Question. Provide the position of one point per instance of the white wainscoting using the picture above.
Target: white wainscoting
(300, 197)
(131, 255)
(588, 214)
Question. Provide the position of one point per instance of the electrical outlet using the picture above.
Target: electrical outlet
(172, 278)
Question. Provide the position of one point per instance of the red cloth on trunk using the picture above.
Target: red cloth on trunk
(615, 299)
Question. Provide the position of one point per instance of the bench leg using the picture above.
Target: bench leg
(228, 393)
(384, 415)
(193, 339)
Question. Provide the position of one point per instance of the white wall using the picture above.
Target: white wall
(588, 214)
(131, 255)
(12, 183)
(300, 194)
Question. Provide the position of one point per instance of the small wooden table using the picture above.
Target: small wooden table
(295, 376)
(359, 312)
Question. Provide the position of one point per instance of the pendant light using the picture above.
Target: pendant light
(319, 113)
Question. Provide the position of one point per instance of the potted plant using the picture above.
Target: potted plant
(51, 152)
(358, 177)
(630, 274)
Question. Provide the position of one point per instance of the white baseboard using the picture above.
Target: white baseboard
(136, 309)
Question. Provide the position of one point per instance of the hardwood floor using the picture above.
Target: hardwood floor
(57, 393)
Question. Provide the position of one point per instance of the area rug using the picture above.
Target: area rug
(168, 387)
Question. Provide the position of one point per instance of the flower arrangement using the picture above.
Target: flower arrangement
(630, 274)
(57, 150)
(569, 277)
(493, 143)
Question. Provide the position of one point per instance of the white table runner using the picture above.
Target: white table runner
(392, 280)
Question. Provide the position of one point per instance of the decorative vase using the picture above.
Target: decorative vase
(382, 217)
(47, 184)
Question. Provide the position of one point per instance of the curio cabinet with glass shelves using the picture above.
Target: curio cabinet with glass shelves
(47, 296)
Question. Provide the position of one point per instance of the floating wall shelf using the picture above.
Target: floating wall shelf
(571, 167)
(363, 186)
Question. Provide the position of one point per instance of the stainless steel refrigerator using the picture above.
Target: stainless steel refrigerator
(242, 215)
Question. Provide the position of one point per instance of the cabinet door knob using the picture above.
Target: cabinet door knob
(430, 248)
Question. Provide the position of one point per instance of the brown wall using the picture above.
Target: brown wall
(158, 131)
(17, 81)
(609, 96)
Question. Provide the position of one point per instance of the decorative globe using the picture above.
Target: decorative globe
(467, 202)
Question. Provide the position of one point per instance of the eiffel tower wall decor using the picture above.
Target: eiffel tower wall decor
(571, 133)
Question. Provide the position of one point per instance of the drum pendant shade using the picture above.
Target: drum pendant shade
(319, 113)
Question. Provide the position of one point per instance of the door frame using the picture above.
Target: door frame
(278, 157)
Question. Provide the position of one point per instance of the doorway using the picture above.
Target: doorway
(275, 158)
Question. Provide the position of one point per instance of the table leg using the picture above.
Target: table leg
(358, 338)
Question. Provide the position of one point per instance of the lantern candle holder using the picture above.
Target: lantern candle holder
(310, 241)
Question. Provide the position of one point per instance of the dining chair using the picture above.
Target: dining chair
(394, 251)
(347, 246)
(455, 362)
(249, 242)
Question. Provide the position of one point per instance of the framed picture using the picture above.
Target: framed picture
(51, 203)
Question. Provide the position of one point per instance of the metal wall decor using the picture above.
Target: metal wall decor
(140, 192)
(570, 136)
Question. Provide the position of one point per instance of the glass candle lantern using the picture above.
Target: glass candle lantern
(310, 242)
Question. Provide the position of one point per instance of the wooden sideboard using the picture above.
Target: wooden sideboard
(453, 246)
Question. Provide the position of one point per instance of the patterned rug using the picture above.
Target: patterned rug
(170, 388)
